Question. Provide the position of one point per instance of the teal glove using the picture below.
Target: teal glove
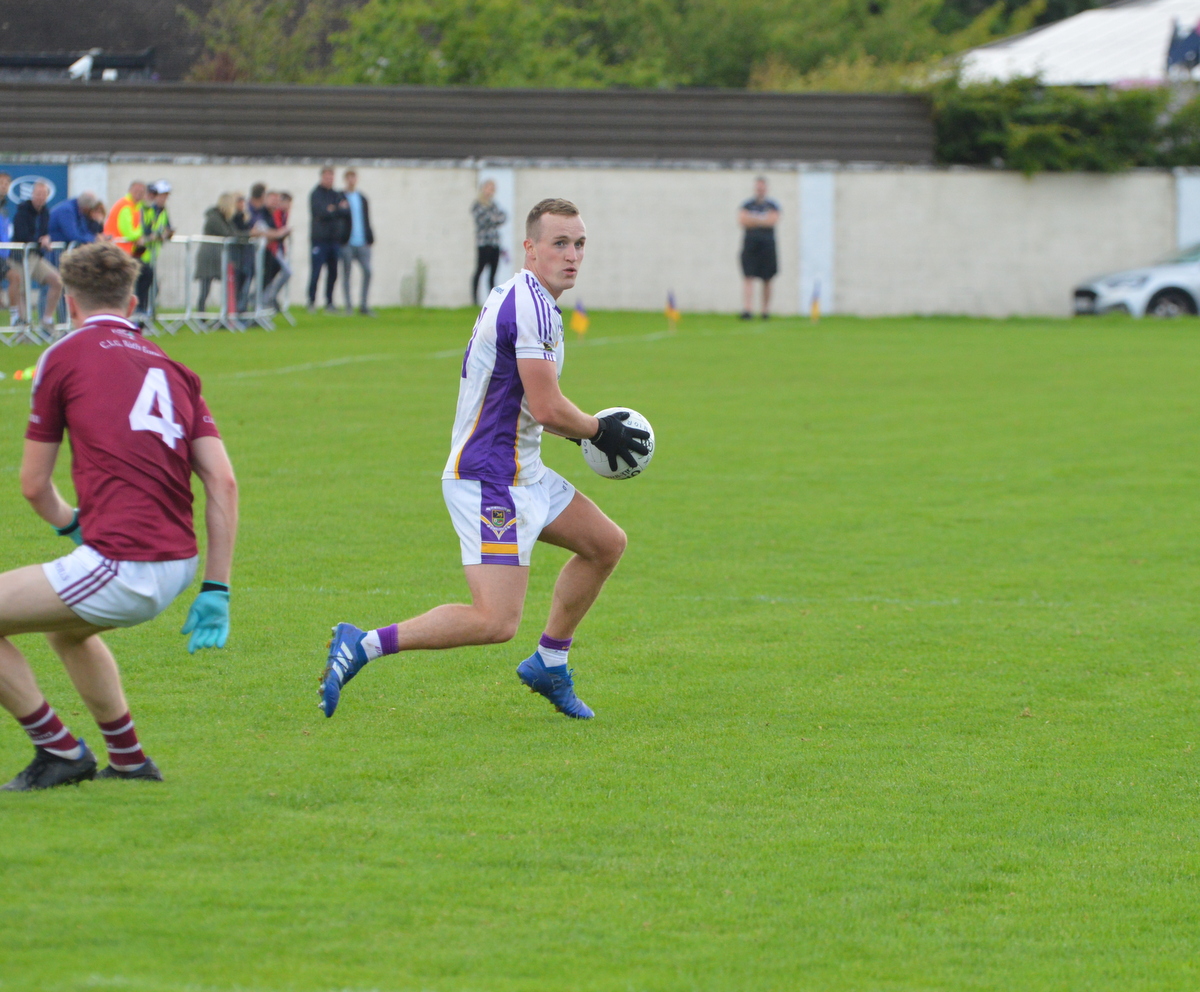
(208, 619)
(71, 530)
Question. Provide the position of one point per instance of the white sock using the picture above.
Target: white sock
(552, 658)
(71, 754)
(371, 646)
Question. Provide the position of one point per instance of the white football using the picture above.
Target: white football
(598, 461)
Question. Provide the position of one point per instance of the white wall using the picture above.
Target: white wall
(991, 243)
(895, 240)
(651, 231)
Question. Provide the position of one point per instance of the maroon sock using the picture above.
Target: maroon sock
(121, 740)
(46, 730)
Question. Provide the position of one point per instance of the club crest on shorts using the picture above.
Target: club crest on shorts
(496, 519)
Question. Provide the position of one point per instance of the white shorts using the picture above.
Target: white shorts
(499, 525)
(117, 593)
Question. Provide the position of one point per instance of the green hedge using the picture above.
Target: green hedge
(1028, 127)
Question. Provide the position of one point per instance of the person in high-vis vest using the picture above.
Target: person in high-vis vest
(124, 223)
(156, 228)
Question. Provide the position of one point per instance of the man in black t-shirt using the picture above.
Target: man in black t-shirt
(758, 217)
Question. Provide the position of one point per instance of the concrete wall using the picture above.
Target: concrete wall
(653, 231)
(877, 241)
(991, 243)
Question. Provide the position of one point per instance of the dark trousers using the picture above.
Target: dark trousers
(145, 280)
(325, 254)
(488, 258)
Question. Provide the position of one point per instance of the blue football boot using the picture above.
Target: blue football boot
(559, 689)
(346, 657)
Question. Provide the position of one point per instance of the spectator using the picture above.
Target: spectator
(330, 212)
(95, 221)
(262, 225)
(241, 254)
(32, 226)
(218, 223)
(156, 225)
(758, 218)
(280, 207)
(488, 220)
(358, 238)
(10, 268)
(124, 224)
(69, 220)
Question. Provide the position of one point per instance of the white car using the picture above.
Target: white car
(1169, 289)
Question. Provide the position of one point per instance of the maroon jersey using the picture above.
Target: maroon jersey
(132, 414)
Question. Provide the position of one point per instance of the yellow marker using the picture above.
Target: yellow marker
(580, 319)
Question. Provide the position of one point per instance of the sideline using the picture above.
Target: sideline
(585, 343)
(306, 367)
(10, 390)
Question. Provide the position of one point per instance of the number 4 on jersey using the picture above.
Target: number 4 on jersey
(156, 392)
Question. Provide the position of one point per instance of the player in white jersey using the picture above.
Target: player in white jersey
(501, 498)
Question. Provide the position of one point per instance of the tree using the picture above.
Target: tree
(502, 43)
(266, 41)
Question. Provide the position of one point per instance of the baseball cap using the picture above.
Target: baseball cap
(162, 186)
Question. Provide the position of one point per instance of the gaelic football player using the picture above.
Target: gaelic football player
(139, 428)
(501, 498)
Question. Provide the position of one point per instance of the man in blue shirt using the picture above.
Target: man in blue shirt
(68, 220)
(356, 246)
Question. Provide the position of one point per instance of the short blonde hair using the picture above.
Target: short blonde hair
(553, 205)
(227, 204)
(99, 275)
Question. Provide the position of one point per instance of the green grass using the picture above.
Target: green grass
(896, 684)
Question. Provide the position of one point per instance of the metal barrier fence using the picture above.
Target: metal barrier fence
(252, 288)
(24, 328)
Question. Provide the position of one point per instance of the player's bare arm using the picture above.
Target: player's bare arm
(211, 463)
(549, 406)
(37, 484)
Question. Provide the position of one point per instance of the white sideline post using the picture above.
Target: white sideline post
(818, 191)
(1187, 207)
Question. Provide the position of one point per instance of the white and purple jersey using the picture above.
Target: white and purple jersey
(495, 437)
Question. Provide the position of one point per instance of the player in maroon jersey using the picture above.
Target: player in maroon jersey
(139, 428)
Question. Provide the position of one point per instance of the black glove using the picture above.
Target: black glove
(615, 439)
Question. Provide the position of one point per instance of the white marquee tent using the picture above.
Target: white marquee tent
(1124, 43)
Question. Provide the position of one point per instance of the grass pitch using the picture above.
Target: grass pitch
(895, 686)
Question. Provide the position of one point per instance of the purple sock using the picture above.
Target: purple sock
(554, 651)
(384, 640)
(389, 639)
